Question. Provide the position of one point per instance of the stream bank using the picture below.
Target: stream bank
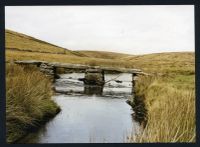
(28, 101)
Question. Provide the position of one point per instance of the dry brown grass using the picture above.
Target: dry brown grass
(171, 109)
(22, 42)
(28, 100)
(19, 55)
(174, 62)
(169, 96)
(104, 55)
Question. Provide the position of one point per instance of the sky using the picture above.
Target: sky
(124, 29)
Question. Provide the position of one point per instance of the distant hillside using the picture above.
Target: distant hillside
(164, 61)
(22, 42)
(167, 56)
(23, 47)
(104, 54)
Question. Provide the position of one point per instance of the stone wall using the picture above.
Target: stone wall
(48, 70)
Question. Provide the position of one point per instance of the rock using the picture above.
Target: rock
(130, 100)
(118, 81)
(56, 76)
(81, 79)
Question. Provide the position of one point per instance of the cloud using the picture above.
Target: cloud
(126, 29)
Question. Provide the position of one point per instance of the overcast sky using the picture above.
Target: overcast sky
(125, 29)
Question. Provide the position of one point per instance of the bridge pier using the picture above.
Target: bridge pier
(134, 75)
(94, 77)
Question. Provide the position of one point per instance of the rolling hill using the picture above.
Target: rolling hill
(22, 47)
(168, 61)
(104, 54)
(21, 42)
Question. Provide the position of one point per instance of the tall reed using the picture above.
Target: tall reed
(28, 100)
(171, 111)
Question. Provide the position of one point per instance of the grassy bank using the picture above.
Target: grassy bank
(169, 97)
(28, 101)
(170, 101)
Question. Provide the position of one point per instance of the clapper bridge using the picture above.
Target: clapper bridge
(94, 75)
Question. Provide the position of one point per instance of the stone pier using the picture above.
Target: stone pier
(94, 77)
(134, 77)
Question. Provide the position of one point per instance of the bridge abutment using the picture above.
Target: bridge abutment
(48, 70)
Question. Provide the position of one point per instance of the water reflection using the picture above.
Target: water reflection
(93, 90)
(70, 84)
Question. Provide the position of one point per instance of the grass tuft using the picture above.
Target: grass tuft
(28, 100)
(171, 110)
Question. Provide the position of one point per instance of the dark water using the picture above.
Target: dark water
(89, 114)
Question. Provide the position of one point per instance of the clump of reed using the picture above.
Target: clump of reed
(171, 109)
(28, 101)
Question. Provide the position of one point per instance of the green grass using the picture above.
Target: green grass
(28, 101)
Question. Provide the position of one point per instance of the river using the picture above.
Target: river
(89, 114)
